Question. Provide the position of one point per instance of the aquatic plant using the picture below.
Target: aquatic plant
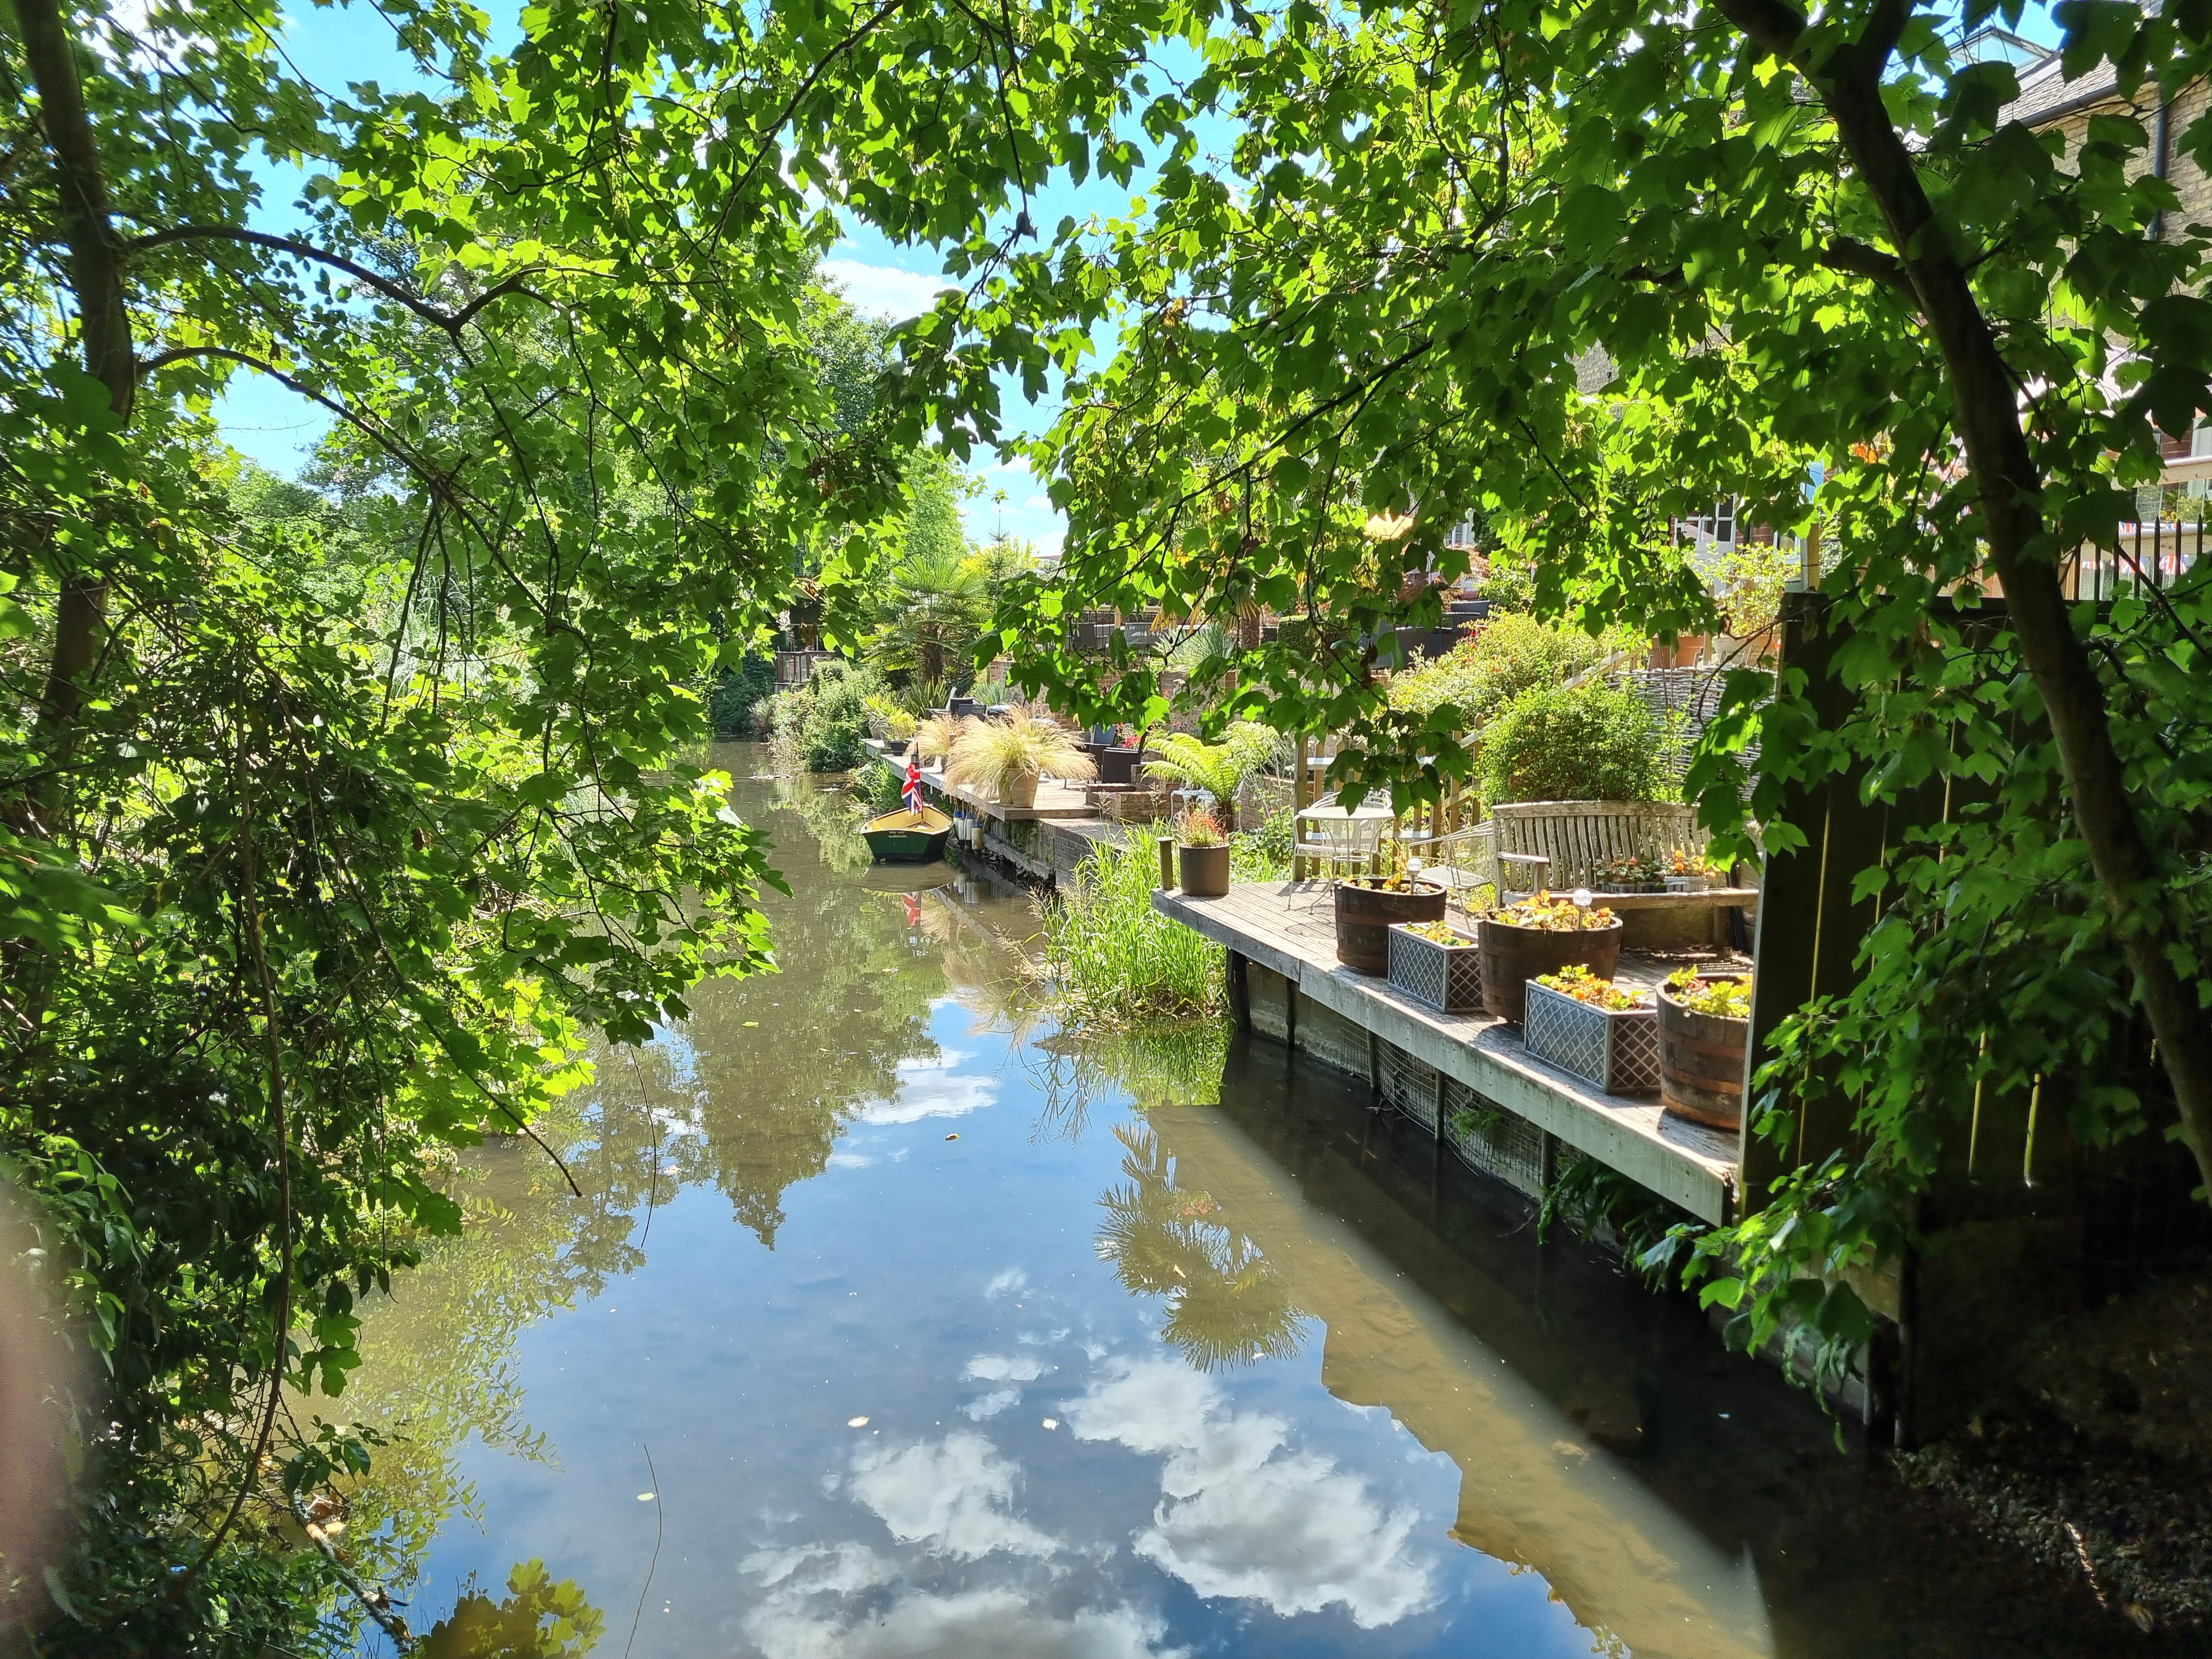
(1115, 960)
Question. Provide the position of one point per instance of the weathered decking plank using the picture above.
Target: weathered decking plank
(1292, 929)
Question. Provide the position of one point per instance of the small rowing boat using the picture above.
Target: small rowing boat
(906, 837)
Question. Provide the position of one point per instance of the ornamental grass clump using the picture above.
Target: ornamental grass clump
(1726, 998)
(1555, 913)
(1113, 959)
(998, 753)
(934, 737)
(1578, 982)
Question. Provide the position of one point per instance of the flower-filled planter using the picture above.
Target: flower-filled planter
(1202, 856)
(1630, 875)
(1602, 1032)
(1705, 1023)
(1367, 906)
(1541, 936)
(1436, 965)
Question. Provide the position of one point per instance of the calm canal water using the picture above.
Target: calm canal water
(897, 1322)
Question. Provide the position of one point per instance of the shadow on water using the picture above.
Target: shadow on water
(895, 1320)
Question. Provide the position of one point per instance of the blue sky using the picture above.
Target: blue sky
(334, 45)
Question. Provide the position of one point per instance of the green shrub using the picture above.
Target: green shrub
(1112, 958)
(1590, 744)
(1515, 654)
(734, 701)
(882, 787)
(822, 726)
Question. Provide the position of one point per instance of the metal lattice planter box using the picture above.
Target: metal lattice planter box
(1616, 1049)
(1448, 977)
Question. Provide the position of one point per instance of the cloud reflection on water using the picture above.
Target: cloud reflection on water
(1244, 1516)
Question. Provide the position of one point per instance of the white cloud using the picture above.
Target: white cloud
(1241, 1514)
(928, 1088)
(884, 291)
(954, 1497)
(1013, 1282)
(846, 1569)
(995, 1368)
(976, 1624)
(992, 1404)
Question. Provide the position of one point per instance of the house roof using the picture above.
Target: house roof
(2046, 94)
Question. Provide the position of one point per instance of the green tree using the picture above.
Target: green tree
(1594, 267)
(330, 829)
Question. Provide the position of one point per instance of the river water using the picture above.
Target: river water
(897, 1320)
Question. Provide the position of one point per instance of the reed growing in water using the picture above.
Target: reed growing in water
(1115, 960)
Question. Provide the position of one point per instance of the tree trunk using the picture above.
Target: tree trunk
(1989, 419)
(96, 279)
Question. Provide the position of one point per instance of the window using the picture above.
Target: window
(1720, 524)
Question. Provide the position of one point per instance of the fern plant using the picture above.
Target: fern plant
(1220, 768)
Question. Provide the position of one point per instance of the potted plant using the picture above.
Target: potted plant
(1219, 768)
(1603, 1033)
(1009, 755)
(1368, 906)
(1632, 874)
(1538, 936)
(1433, 962)
(1122, 756)
(934, 737)
(1202, 855)
(1683, 873)
(1704, 1026)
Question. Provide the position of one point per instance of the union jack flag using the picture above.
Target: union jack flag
(913, 791)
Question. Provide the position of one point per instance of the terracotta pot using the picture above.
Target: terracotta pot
(1203, 870)
(1363, 915)
(1512, 956)
(1701, 1063)
(1018, 790)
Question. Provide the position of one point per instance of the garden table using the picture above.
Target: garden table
(1338, 839)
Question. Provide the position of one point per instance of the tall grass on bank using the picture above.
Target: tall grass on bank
(1114, 959)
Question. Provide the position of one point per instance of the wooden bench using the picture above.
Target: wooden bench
(1580, 837)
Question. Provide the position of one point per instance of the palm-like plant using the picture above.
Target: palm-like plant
(1220, 768)
(934, 604)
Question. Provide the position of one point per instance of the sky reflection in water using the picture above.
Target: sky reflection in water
(1110, 1408)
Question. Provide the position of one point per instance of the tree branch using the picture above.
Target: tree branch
(452, 321)
(1855, 259)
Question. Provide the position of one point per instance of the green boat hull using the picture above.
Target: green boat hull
(897, 838)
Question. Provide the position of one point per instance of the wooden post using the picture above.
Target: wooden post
(1374, 1069)
(1167, 863)
(1240, 989)
(1441, 1136)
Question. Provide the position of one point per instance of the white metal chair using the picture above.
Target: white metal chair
(1334, 841)
(1466, 861)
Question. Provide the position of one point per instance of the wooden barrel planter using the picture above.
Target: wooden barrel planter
(1512, 956)
(1364, 914)
(1203, 870)
(1701, 1063)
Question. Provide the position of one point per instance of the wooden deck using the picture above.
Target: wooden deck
(1291, 928)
